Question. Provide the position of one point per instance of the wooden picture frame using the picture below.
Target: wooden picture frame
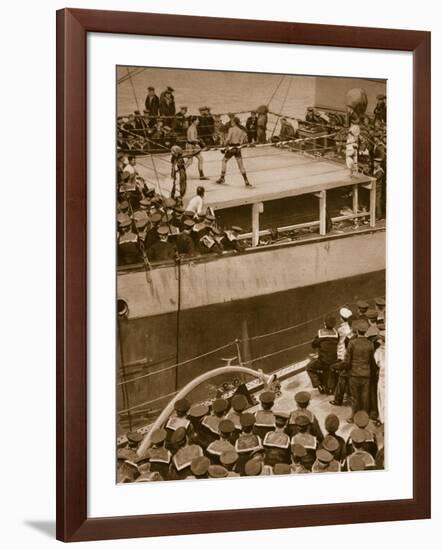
(73, 523)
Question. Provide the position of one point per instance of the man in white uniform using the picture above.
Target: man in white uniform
(379, 357)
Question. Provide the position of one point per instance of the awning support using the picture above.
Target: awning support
(372, 188)
(322, 196)
(257, 209)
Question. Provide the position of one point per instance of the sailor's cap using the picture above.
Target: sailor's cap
(362, 304)
(298, 450)
(169, 89)
(228, 458)
(281, 469)
(210, 218)
(151, 88)
(356, 463)
(198, 411)
(169, 202)
(178, 436)
(220, 406)
(179, 209)
(239, 402)
(302, 420)
(226, 426)
(216, 471)
(371, 314)
(123, 220)
(302, 397)
(358, 435)
(124, 205)
(380, 301)
(163, 230)
(246, 420)
(361, 325)
(324, 456)
(361, 419)
(200, 465)
(281, 414)
(145, 203)
(156, 217)
(252, 467)
(134, 437)
(181, 405)
(189, 213)
(330, 444)
(140, 218)
(189, 223)
(331, 423)
(267, 397)
(158, 436)
(345, 313)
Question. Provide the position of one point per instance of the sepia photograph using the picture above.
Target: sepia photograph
(251, 274)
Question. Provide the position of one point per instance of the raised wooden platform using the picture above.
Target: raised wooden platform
(274, 173)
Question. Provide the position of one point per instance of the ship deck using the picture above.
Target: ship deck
(274, 172)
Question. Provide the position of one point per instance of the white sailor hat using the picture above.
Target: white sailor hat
(345, 313)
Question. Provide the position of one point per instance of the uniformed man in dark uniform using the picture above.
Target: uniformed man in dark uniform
(238, 406)
(210, 423)
(128, 248)
(325, 462)
(206, 126)
(152, 236)
(230, 241)
(247, 443)
(152, 105)
(185, 244)
(199, 467)
(128, 472)
(216, 471)
(380, 111)
(326, 342)
(276, 443)
(133, 440)
(302, 399)
(229, 460)
(362, 309)
(178, 419)
(167, 107)
(196, 413)
(332, 426)
(223, 443)
(264, 418)
(380, 306)
(184, 454)
(331, 444)
(379, 174)
(304, 438)
(252, 127)
(358, 438)
(157, 456)
(181, 124)
(162, 250)
(300, 458)
(362, 420)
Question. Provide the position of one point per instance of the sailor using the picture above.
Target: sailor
(264, 418)
(128, 472)
(196, 203)
(247, 443)
(236, 137)
(128, 248)
(325, 462)
(300, 457)
(195, 414)
(125, 453)
(194, 146)
(302, 399)
(152, 104)
(162, 250)
(185, 244)
(207, 240)
(359, 359)
(142, 225)
(379, 357)
(355, 463)
(167, 106)
(183, 455)
(332, 426)
(152, 236)
(206, 126)
(178, 419)
(372, 316)
(358, 438)
(361, 420)
(223, 443)
(326, 342)
(380, 306)
(261, 129)
(238, 406)
(229, 459)
(181, 123)
(331, 445)
(200, 467)
(133, 440)
(380, 111)
(253, 467)
(287, 131)
(338, 379)
(362, 306)
(210, 423)
(276, 443)
(157, 456)
(304, 438)
(178, 170)
(252, 127)
(379, 174)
